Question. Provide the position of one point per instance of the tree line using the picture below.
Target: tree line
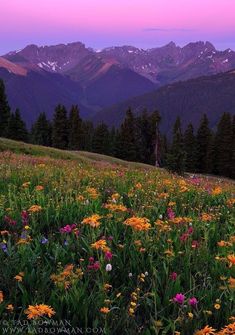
(206, 150)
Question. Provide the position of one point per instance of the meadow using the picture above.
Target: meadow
(88, 242)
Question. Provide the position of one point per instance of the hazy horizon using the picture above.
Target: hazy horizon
(99, 24)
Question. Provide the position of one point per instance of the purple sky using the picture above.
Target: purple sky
(101, 23)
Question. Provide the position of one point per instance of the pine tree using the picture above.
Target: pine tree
(41, 131)
(112, 141)
(142, 138)
(75, 129)
(127, 141)
(190, 149)
(101, 143)
(232, 163)
(4, 111)
(60, 128)
(176, 156)
(164, 147)
(155, 120)
(223, 142)
(211, 155)
(202, 144)
(87, 135)
(16, 127)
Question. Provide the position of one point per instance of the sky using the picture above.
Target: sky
(103, 23)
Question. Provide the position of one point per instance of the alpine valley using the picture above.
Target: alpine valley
(104, 83)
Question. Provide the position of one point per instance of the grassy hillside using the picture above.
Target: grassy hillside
(80, 156)
(113, 246)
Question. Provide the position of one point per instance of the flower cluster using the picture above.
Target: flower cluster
(138, 223)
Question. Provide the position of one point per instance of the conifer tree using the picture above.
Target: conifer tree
(4, 111)
(16, 127)
(127, 138)
(75, 129)
(60, 128)
(164, 147)
(101, 137)
(202, 144)
(112, 142)
(223, 142)
(142, 140)
(87, 135)
(176, 156)
(41, 131)
(233, 150)
(211, 154)
(190, 149)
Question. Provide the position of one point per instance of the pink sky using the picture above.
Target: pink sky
(100, 23)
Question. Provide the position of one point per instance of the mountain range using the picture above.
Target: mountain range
(105, 82)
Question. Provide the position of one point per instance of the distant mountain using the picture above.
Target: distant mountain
(212, 95)
(172, 63)
(38, 78)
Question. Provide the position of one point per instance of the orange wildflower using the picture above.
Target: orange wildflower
(206, 331)
(35, 312)
(137, 223)
(92, 220)
(105, 310)
(1, 297)
(231, 259)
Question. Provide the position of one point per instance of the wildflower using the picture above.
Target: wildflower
(190, 315)
(130, 275)
(108, 255)
(26, 184)
(1, 297)
(19, 277)
(231, 282)
(115, 208)
(231, 259)
(216, 191)
(39, 188)
(100, 245)
(137, 223)
(108, 268)
(94, 266)
(193, 302)
(69, 276)
(158, 323)
(195, 244)
(92, 220)
(25, 218)
(10, 308)
(217, 306)
(173, 276)
(206, 217)
(179, 298)
(35, 209)
(34, 312)
(3, 246)
(105, 310)
(68, 228)
(118, 295)
(206, 331)
(44, 240)
(107, 287)
(170, 213)
(92, 192)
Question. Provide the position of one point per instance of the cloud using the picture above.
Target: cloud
(168, 29)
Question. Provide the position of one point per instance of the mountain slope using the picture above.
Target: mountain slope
(40, 92)
(212, 95)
